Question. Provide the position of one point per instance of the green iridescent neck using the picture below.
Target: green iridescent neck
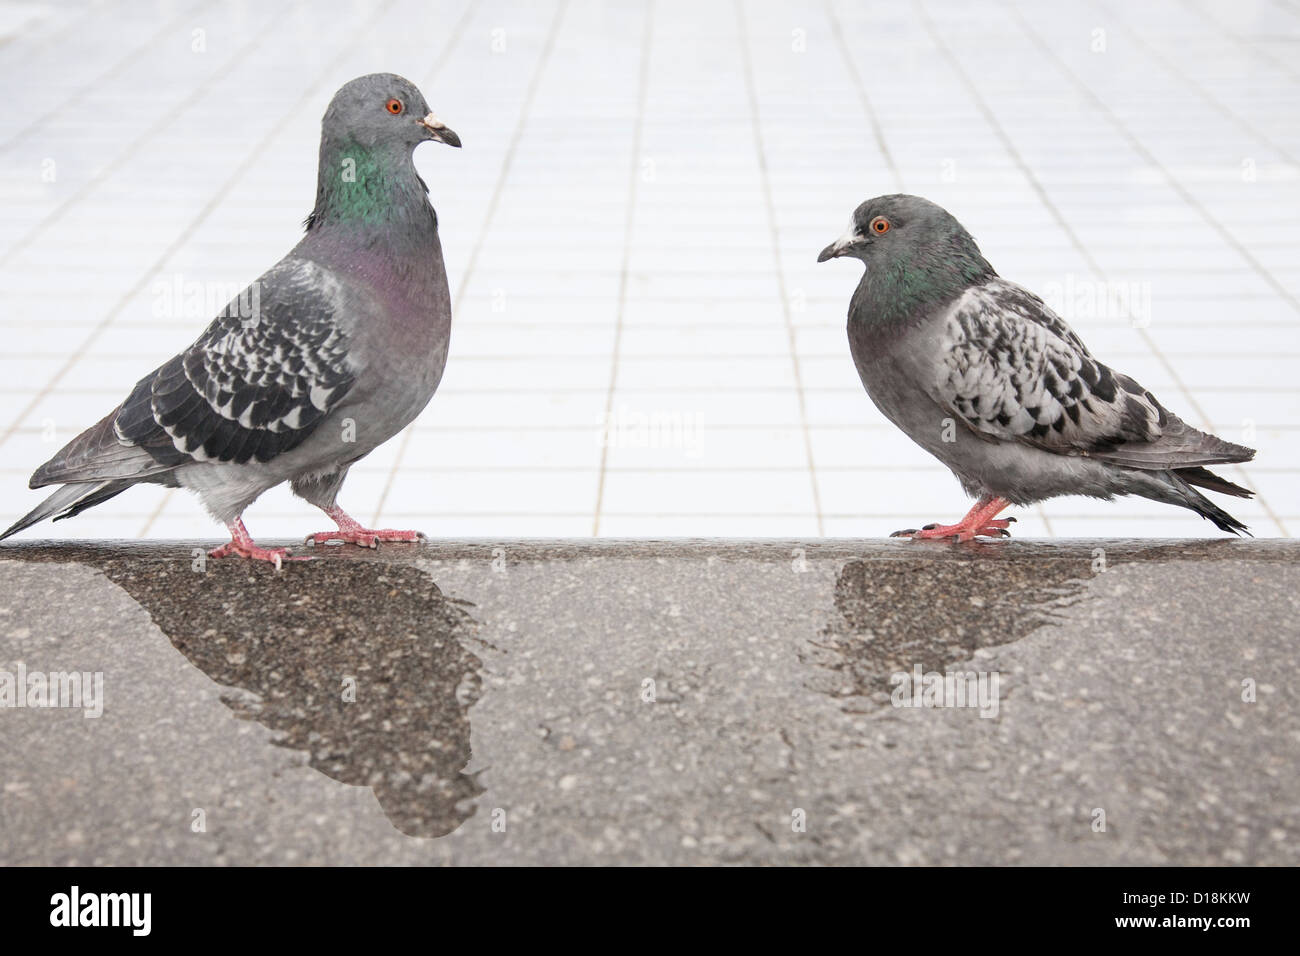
(909, 288)
(359, 185)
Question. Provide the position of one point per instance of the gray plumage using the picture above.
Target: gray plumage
(984, 376)
(331, 352)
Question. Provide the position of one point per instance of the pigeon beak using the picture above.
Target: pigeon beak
(840, 246)
(439, 130)
(830, 252)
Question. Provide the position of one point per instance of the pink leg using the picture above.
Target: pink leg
(350, 530)
(242, 544)
(981, 521)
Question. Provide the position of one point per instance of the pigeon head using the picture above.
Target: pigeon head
(915, 252)
(367, 175)
(383, 110)
(897, 229)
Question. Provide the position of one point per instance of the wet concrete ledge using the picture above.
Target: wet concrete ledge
(606, 701)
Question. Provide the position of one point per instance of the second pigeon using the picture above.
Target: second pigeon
(983, 375)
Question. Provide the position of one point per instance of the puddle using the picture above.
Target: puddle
(292, 653)
(891, 616)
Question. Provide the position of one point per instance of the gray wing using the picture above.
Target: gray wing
(1010, 369)
(254, 385)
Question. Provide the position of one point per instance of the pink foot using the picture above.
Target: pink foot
(351, 532)
(242, 544)
(979, 522)
(366, 537)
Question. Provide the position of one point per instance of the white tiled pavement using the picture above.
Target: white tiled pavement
(631, 231)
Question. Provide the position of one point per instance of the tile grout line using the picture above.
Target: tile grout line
(1255, 50)
(742, 33)
(489, 467)
(541, 325)
(1156, 516)
(586, 358)
(101, 174)
(130, 58)
(100, 326)
(643, 85)
(867, 107)
(57, 33)
(543, 60)
(577, 390)
(1139, 147)
(1172, 67)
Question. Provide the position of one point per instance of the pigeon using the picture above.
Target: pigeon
(334, 350)
(980, 373)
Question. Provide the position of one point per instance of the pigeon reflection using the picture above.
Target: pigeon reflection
(297, 644)
(893, 614)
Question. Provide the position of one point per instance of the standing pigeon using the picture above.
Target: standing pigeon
(983, 375)
(329, 354)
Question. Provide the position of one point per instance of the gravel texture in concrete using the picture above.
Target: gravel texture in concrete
(691, 702)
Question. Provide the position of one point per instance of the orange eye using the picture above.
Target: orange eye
(880, 225)
(394, 106)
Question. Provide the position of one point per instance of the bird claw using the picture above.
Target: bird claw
(363, 537)
(997, 528)
(992, 528)
(275, 556)
(932, 531)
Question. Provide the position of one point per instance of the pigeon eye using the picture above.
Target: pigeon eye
(395, 106)
(880, 225)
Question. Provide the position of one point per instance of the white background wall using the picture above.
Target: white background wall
(631, 231)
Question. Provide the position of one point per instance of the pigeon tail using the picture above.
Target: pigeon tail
(1204, 478)
(1179, 447)
(98, 454)
(68, 501)
(1203, 506)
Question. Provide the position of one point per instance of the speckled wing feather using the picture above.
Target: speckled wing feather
(256, 383)
(1012, 370)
